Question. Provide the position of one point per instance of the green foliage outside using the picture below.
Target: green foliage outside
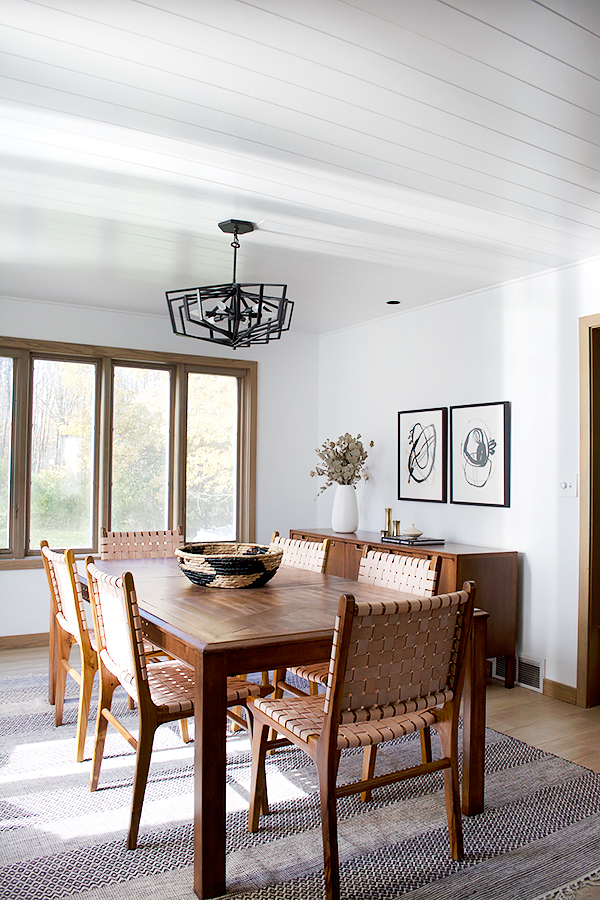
(140, 443)
(6, 382)
(211, 456)
(62, 453)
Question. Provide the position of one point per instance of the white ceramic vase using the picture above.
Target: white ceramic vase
(344, 514)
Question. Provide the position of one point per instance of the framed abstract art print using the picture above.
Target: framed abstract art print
(422, 454)
(480, 454)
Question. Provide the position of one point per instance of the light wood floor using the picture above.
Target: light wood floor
(556, 727)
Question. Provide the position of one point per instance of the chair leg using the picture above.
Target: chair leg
(238, 709)
(327, 780)
(85, 696)
(183, 727)
(258, 782)
(425, 736)
(142, 766)
(65, 642)
(108, 683)
(368, 769)
(449, 747)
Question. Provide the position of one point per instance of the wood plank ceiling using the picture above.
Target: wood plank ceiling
(410, 150)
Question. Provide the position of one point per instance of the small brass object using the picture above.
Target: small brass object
(396, 527)
(388, 522)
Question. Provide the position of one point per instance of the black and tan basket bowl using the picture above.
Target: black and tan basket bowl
(229, 565)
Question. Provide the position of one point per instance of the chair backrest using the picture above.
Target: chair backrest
(118, 627)
(397, 656)
(65, 590)
(139, 544)
(411, 574)
(309, 555)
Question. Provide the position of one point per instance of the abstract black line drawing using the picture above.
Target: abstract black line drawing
(422, 454)
(478, 449)
(480, 454)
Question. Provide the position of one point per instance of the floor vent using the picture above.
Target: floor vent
(499, 667)
(530, 672)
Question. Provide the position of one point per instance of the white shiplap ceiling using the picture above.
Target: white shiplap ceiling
(409, 150)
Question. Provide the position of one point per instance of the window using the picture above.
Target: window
(94, 436)
(62, 453)
(211, 457)
(140, 449)
(6, 419)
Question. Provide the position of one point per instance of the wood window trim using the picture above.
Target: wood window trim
(246, 372)
(588, 639)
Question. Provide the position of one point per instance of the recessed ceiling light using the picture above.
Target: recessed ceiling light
(393, 302)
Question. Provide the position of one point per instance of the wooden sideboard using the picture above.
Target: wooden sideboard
(493, 571)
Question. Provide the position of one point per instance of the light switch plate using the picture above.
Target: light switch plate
(567, 485)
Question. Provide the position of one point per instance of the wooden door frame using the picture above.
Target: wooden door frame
(588, 641)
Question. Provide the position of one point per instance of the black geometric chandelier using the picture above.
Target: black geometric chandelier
(235, 315)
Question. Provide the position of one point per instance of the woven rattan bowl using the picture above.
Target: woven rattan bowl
(229, 565)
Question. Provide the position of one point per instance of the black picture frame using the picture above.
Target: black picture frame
(423, 454)
(480, 454)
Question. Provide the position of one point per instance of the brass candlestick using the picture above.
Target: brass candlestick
(388, 522)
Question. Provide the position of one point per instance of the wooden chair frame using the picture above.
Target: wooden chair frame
(324, 742)
(70, 627)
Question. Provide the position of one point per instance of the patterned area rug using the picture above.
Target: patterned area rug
(539, 833)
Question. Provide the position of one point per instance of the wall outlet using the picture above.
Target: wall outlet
(567, 485)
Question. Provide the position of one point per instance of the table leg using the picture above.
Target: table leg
(209, 775)
(474, 718)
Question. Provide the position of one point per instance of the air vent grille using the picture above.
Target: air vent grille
(530, 671)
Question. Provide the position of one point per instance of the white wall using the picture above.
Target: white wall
(518, 343)
(287, 422)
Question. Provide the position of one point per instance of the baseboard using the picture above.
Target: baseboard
(24, 641)
(559, 691)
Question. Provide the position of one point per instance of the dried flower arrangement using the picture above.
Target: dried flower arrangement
(342, 461)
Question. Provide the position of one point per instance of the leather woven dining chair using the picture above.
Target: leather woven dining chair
(139, 544)
(396, 667)
(395, 571)
(312, 556)
(144, 545)
(163, 690)
(70, 627)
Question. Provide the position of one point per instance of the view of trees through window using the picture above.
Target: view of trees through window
(121, 439)
(211, 457)
(6, 393)
(140, 460)
(62, 453)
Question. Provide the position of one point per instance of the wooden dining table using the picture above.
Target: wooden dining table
(288, 621)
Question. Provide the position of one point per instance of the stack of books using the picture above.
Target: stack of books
(401, 539)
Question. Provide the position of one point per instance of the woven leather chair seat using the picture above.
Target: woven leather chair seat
(305, 718)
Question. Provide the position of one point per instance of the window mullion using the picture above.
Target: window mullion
(179, 447)
(105, 445)
(20, 452)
